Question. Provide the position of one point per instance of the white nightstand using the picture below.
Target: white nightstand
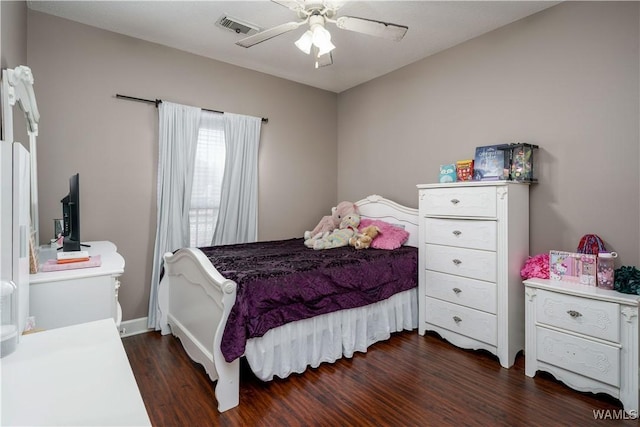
(586, 337)
(69, 297)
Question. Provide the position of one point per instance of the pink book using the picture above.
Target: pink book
(52, 264)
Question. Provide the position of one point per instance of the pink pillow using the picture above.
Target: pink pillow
(390, 236)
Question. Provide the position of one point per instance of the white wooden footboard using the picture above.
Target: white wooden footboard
(195, 301)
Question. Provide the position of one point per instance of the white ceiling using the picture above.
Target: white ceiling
(190, 26)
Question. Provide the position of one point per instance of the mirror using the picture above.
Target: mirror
(17, 88)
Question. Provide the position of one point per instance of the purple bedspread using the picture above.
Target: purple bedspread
(283, 281)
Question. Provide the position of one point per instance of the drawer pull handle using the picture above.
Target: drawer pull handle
(457, 319)
(457, 233)
(455, 201)
(457, 261)
(574, 314)
(456, 290)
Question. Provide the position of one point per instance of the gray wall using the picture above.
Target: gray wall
(13, 52)
(566, 79)
(113, 143)
(13, 33)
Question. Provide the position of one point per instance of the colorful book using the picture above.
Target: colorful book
(72, 255)
(491, 163)
(52, 264)
(72, 260)
(573, 267)
(448, 173)
(464, 170)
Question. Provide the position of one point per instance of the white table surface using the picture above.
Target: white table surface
(73, 376)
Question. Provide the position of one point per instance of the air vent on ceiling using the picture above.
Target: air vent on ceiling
(237, 26)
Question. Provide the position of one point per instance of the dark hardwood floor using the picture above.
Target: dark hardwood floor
(408, 380)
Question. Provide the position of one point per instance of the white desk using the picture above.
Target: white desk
(78, 375)
(69, 297)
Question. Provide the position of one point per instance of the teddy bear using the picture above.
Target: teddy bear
(331, 222)
(363, 239)
(338, 237)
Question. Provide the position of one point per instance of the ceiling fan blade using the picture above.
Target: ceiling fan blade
(290, 4)
(269, 34)
(372, 28)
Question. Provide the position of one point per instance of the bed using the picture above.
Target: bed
(198, 305)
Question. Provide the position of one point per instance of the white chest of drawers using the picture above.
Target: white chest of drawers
(474, 239)
(585, 336)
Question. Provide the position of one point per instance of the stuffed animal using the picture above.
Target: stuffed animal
(339, 237)
(363, 239)
(331, 222)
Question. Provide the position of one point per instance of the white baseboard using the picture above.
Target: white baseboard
(134, 327)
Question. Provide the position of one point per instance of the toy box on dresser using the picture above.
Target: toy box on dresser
(474, 237)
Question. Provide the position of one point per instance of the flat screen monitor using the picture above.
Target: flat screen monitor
(71, 216)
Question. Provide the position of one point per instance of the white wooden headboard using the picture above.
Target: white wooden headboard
(377, 207)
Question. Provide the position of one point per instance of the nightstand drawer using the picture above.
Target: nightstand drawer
(585, 357)
(465, 233)
(600, 319)
(470, 263)
(472, 323)
(460, 290)
(475, 202)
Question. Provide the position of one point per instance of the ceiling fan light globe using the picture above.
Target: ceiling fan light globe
(322, 40)
(305, 41)
(320, 35)
(325, 48)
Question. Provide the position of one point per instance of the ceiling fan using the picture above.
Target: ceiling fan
(317, 38)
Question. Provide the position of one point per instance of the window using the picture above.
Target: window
(207, 179)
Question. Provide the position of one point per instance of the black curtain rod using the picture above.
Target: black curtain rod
(158, 101)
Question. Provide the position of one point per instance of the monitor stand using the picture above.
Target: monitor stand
(85, 245)
(69, 245)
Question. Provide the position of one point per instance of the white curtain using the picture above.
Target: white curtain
(238, 217)
(178, 136)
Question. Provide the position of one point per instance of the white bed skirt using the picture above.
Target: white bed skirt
(293, 347)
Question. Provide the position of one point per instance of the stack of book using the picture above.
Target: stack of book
(71, 260)
(72, 256)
